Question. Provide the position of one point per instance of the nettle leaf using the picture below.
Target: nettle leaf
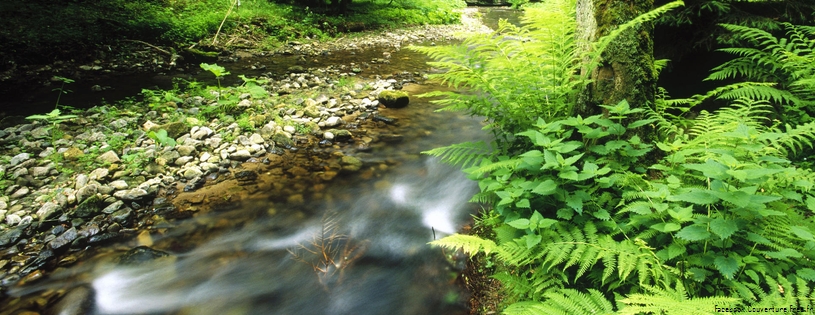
(682, 214)
(672, 251)
(710, 169)
(693, 233)
(666, 227)
(695, 196)
(523, 203)
(532, 240)
(545, 188)
(802, 232)
(520, 224)
(728, 266)
(724, 228)
(568, 147)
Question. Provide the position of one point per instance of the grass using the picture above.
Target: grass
(87, 27)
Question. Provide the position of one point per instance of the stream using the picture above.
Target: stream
(357, 247)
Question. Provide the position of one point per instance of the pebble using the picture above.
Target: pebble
(19, 158)
(131, 194)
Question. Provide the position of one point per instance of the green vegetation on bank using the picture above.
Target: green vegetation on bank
(42, 31)
(714, 215)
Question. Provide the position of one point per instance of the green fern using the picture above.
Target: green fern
(565, 302)
(669, 301)
(463, 154)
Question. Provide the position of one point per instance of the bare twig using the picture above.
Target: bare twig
(150, 45)
(215, 39)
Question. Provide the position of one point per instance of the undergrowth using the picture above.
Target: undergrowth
(585, 221)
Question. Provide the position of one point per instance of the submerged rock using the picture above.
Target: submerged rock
(140, 255)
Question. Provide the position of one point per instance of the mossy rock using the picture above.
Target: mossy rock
(73, 154)
(350, 163)
(174, 129)
(89, 207)
(394, 99)
(282, 141)
(341, 135)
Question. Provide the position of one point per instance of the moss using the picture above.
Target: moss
(394, 99)
(628, 69)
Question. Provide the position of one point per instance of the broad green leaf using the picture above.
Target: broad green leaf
(571, 160)
(749, 259)
(533, 221)
(545, 223)
(724, 228)
(695, 196)
(693, 233)
(802, 232)
(681, 214)
(532, 240)
(672, 251)
(568, 147)
(570, 175)
(666, 227)
(523, 203)
(520, 224)
(710, 169)
(728, 266)
(545, 188)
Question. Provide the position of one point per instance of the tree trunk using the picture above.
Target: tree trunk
(626, 71)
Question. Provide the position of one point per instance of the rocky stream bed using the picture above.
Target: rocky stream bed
(103, 176)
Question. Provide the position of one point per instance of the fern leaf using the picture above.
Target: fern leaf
(468, 243)
(670, 301)
(462, 154)
(565, 302)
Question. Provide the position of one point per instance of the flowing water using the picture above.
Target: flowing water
(358, 247)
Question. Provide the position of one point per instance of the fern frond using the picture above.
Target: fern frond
(670, 301)
(565, 302)
(468, 243)
(463, 154)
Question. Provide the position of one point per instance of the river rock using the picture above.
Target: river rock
(122, 215)
(85, 192)
(394, 99)
(192, 172)
(199, 133)
(256, 139)
(183, 160)
(118, 184)
(140, 255)
(47, 210)
(240, 155)
(99, 174)
(185, 150)
(113, 207)
(332, 121)
(108, 157)
(20, 193)
(64, 239)
(328, 135)
(19, 158)
(73, 154)
(350, 163)
(81, 180)
(89, 207)
(131, 194)
(78, 301)
(40, 171)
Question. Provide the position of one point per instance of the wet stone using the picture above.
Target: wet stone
(122, 215)
(195, 183)
(19, 158)
(246, 177)
(140, 255)
(78, 301)
(89, 207)
(47, 210)
(64, 239)
(131, 194)
(111, 208)
(10, 236)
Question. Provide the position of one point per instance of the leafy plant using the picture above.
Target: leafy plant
(218, 71)
(62, 89)
(161, 138)
(54, 117)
